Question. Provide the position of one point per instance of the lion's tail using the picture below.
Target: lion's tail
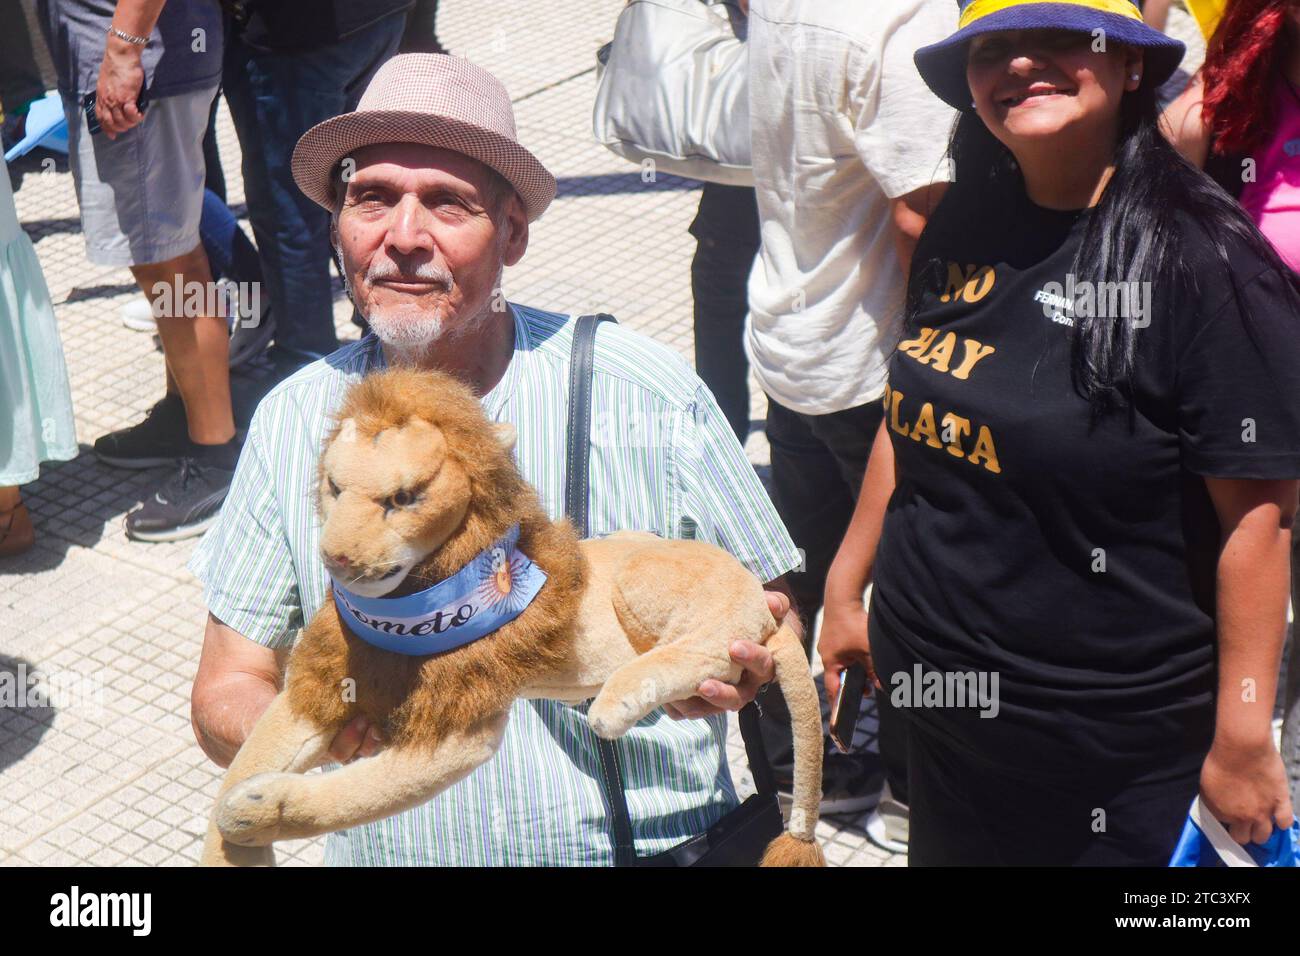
(797, 846)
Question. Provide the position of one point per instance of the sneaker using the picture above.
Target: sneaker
(184, 506)
(137, 315)
(887, 827)
(850, 783)
(159, 440)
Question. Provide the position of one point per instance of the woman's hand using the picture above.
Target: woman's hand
(843, 642)
(1246, 790)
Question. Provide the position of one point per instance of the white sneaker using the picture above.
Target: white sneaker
(137, 315)
(887, 827)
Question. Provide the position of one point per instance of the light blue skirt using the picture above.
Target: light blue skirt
(36, 422)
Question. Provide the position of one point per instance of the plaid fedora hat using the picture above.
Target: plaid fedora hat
(943, 64)
(434, 100)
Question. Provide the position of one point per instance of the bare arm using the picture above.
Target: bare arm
(1243, 782)
(236, 681)
(234, 684)
(910, 214)
(1184, 126)
(1156, 14)
(843, 639)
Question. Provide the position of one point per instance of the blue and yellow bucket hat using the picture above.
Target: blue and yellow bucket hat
(943, 64)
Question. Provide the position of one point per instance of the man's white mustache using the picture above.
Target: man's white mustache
(425, 272)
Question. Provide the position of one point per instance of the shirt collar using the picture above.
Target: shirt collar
(496, 400)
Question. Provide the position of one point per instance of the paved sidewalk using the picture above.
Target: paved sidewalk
(111, 774)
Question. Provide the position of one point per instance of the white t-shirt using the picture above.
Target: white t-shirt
(842, 123)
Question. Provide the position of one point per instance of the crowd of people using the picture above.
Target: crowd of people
(1029, 338)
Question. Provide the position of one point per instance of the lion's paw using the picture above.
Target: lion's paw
(611, 718)
(250, 814)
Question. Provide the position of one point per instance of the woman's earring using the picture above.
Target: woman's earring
(1135, 77)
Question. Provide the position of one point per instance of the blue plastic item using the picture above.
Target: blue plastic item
(1205, 842)
(46, 126)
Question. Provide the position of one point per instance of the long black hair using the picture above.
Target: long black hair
(1133, 235)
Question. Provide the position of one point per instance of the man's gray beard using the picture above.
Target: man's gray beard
(412, 339)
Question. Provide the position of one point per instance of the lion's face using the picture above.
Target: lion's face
(387, 501)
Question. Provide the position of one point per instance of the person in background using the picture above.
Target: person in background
(154, 70)
(20, 78)
(726, 240)
(1239, 119)
(725, 229)
(421, 34)
(1155, 13)
(1091, 514)
(848, 161)
(290, 64)
(36, 422)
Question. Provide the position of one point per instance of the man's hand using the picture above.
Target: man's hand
(359, 738)
(121, 77)
(713, 696)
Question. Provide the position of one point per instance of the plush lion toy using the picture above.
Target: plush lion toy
(418, 489)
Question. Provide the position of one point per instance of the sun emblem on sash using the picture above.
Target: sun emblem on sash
(505, 585)
(501, 579)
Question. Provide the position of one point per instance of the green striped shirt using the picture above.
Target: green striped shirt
(662, 458)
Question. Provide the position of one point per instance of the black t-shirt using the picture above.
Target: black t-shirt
(1076, 563)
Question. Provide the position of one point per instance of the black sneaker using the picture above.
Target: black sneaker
(159, 440)
(184, 506)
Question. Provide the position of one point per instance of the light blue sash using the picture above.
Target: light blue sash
(481, 597)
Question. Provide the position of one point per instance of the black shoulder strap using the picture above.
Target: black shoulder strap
(578, 435)
(576, 500)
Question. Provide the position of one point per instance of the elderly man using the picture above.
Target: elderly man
(431, 196)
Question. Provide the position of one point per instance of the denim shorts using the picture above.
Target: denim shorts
(141, 195)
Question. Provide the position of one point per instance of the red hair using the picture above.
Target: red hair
(1240, 63)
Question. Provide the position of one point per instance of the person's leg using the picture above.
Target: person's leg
(966, 811)
(214, 175)
(816, 502)
(944, 825)
(849, 435)
(421, 34)
(20, 78)
(141, 198)
(234, 260)
(16, 532)
(727, 239)
(274, 98)
(195, 346)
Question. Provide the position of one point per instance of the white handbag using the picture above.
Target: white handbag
(673, 87)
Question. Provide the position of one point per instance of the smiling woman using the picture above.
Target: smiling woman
(1099, 561)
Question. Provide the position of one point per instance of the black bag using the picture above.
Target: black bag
(740, 837)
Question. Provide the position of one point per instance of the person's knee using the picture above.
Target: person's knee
(193, 265)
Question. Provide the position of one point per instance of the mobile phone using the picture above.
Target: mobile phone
(848, 702)
(88, 107)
